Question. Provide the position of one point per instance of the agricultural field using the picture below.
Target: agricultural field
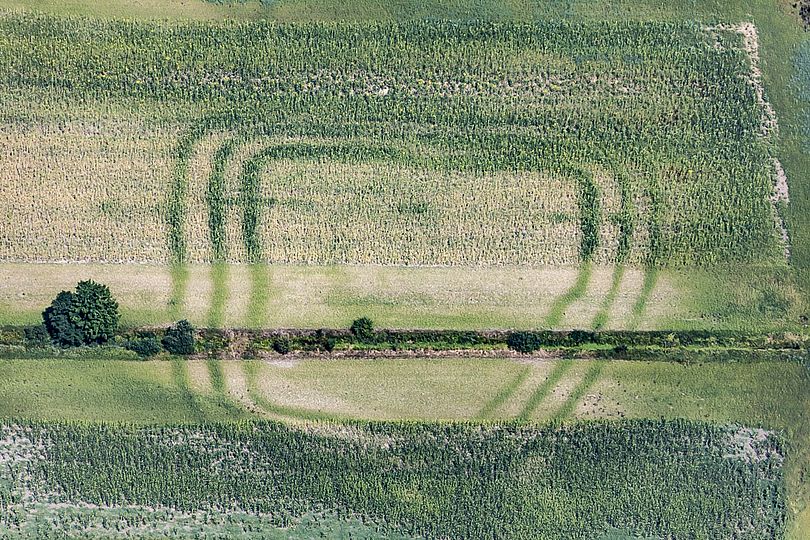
(434, 269)
(771, 395)
(393, 480)
(631, 168)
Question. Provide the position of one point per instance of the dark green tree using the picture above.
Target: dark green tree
(88, 316)
(179, 339)
(362, 329)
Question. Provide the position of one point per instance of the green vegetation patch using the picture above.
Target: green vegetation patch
(648, 478)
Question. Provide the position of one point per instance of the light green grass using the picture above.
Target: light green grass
(115, 391)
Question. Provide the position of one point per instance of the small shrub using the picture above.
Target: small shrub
(179, 339)
(281, 345)
(37, 336)
(144, 346)
(523, 342)
(362, 329)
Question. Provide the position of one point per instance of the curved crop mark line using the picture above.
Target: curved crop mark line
(294, 413)
(217, 215)
(542, 391)
(251, 199)
(180, 379)
(220, 391)
(177, 204)
(584, 385)
(259, 295)
(503, 394)
(561, 304)
(601, 318)
(590, 214)
(650, 279)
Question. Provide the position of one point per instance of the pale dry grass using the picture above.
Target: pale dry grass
(199, 378)
(316, 296)
(84, 192)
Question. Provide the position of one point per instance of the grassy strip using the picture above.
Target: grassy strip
(650, 279)
(542, 391)
(503, 395)
(219, 295)
(259, 295)
(180, 276)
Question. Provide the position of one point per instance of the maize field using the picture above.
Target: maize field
(454, 144)
(639, 478)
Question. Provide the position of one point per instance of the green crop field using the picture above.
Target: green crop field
(400, 480)
(772, 396)
(586, 150)
(472, 168)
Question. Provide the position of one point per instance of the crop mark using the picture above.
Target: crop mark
(590, 378)
(601, 317)
(542, 391)
(180, 275)
(220, 390)
(250, 370)
(503, 394)
(650, 279)
(589, 212)
(561, 304)
(217, 214)
(259, 295)
(180, 379)
(219, 295)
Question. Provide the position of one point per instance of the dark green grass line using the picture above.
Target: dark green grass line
(180, 379)
(557, 311)
(640, 306)
(655, 249)
(601, 318)
(589, 215)
(503, 394)
(219, 295)
(259, 295)
(626, 219)
(584, 385)
(217, 212)
(252, 203)
(220, 392)
(542, 391)
(179, 276)
(295, 413)
(177, 205)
